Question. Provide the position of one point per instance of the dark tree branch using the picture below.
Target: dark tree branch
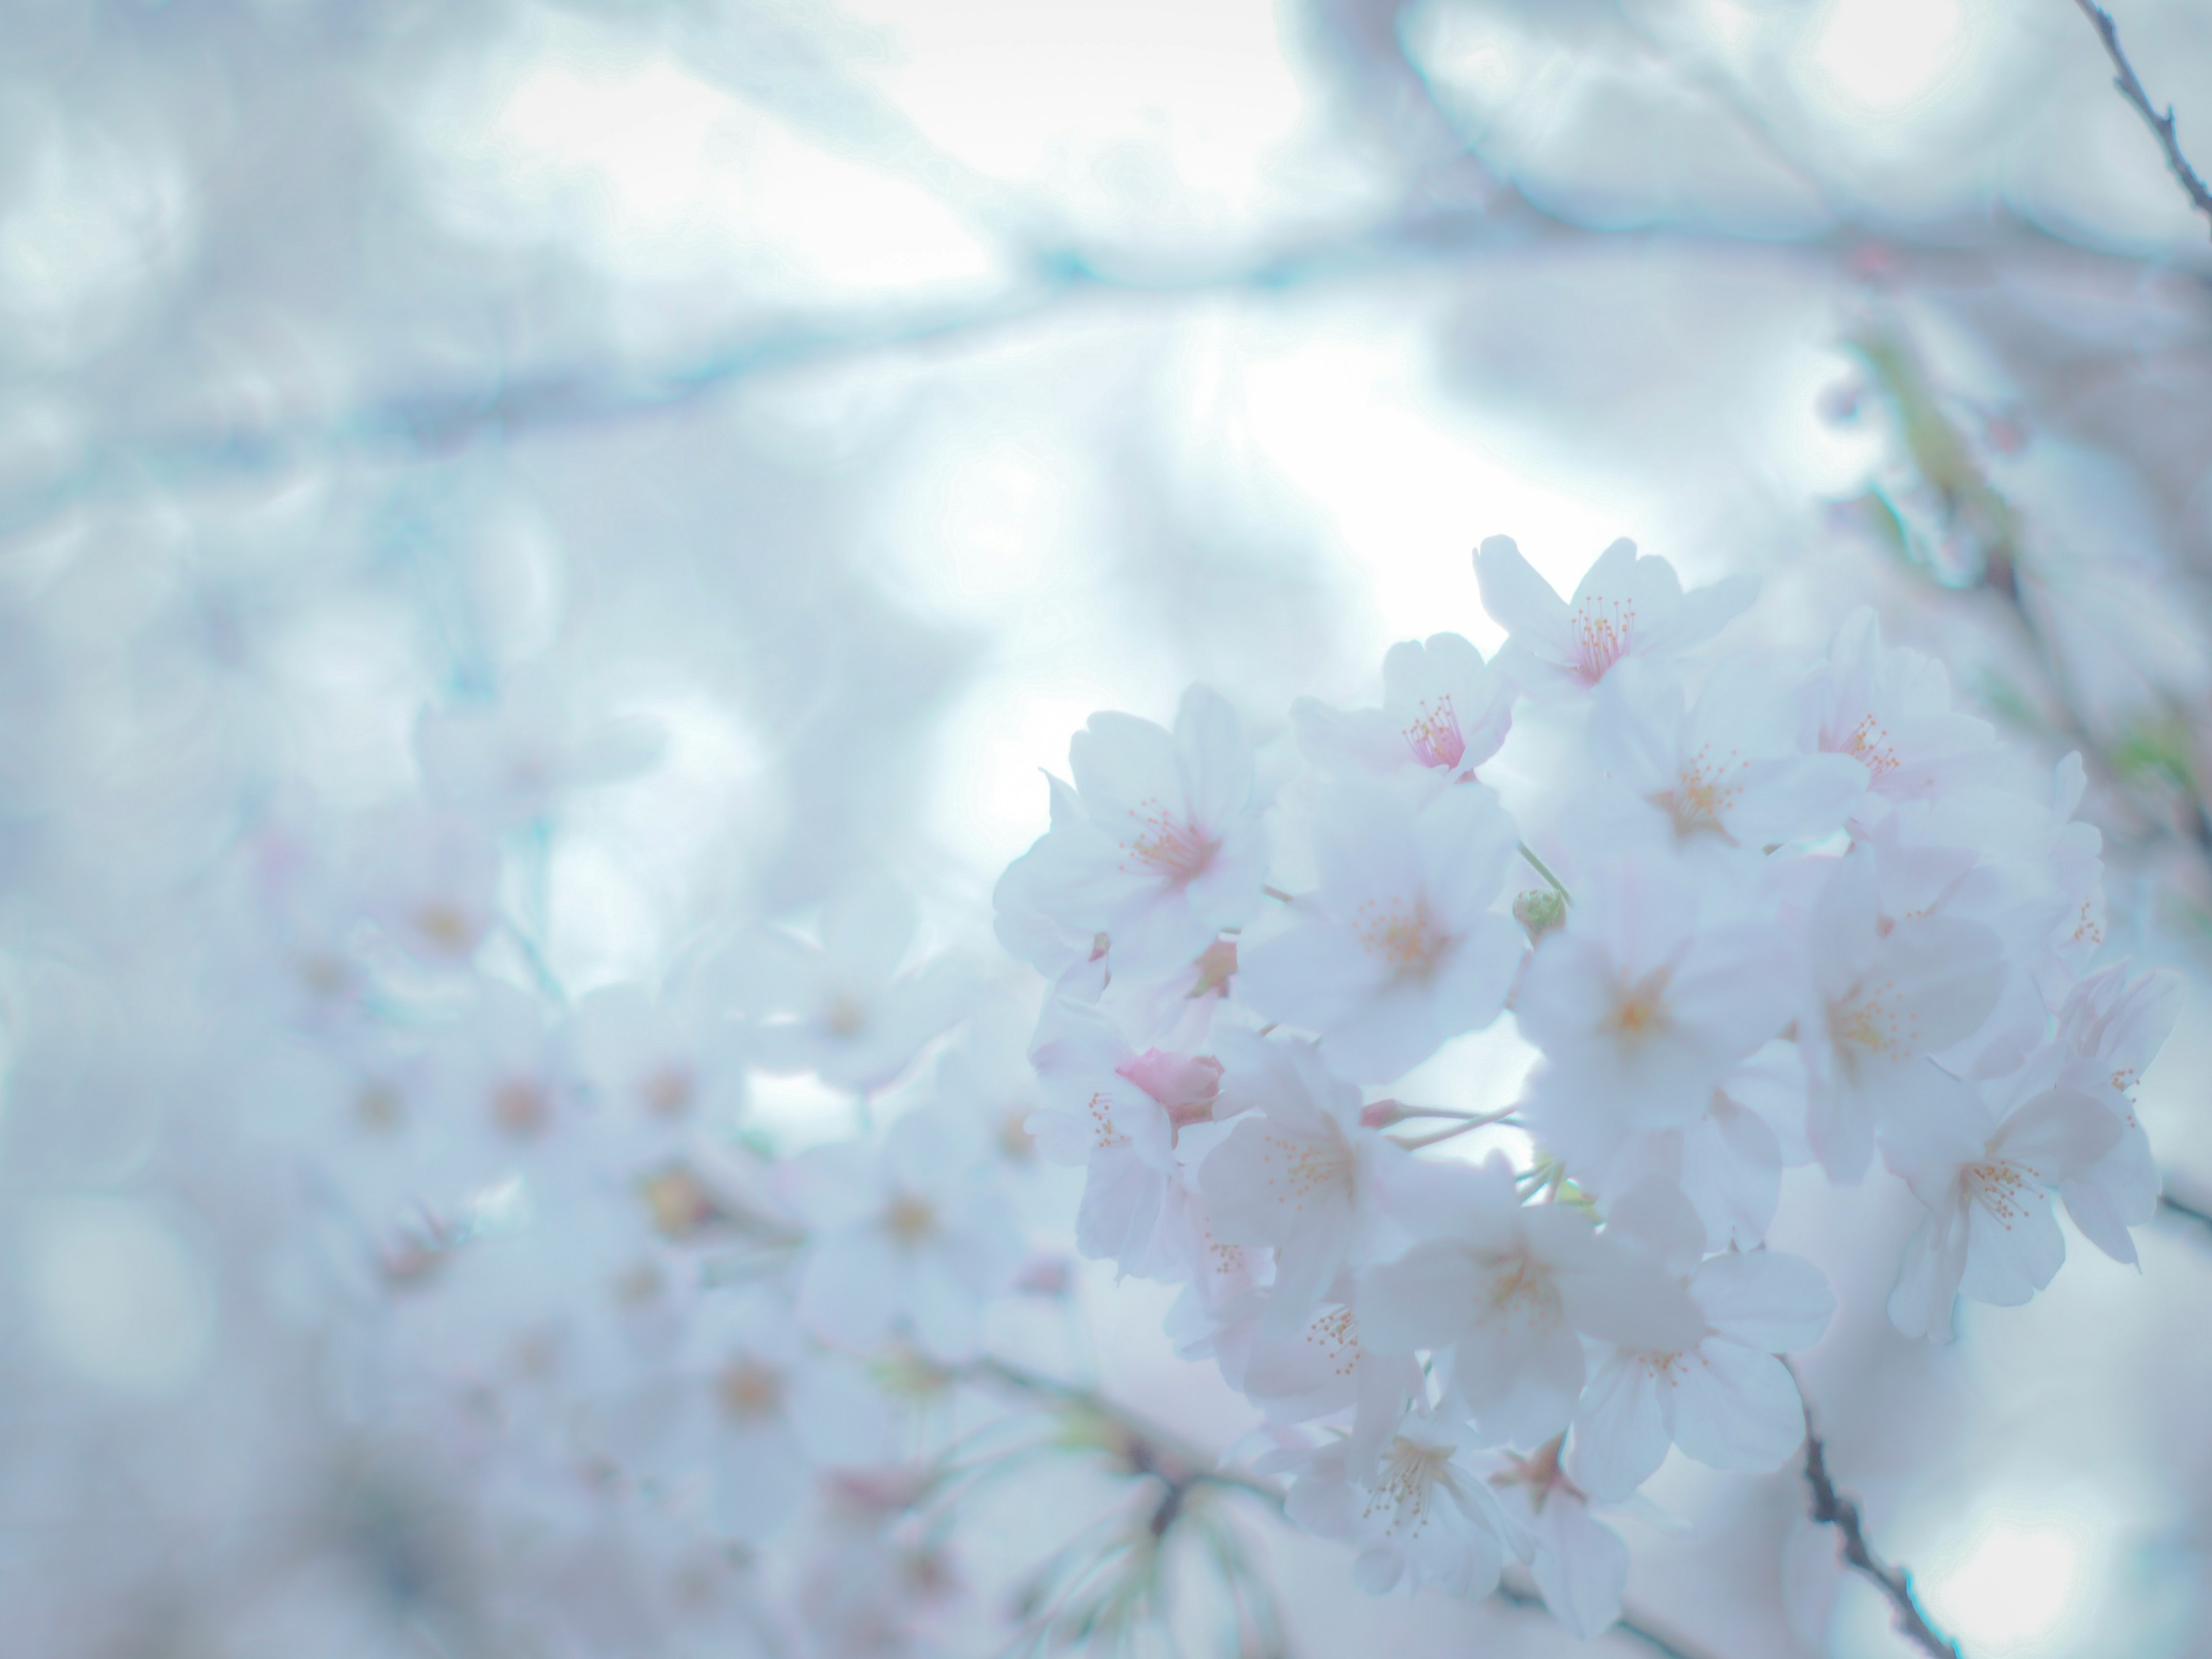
(2182, 1210)
(2162, 126)
(1841, 1510)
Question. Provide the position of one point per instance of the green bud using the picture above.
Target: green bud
(1540, 910)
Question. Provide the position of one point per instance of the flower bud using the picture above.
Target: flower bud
(1540, 909)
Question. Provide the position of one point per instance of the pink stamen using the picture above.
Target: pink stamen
(1435, 738)
(1602, 632)
(1171, 846)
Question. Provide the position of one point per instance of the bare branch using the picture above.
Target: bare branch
(2131, 88)
(1841, 1510)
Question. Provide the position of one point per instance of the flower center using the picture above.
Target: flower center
(1703, 795)
(909, 1219)
(1435, 736)
(521, 1106)
(1168, 846)
(668, 1092)
(2000, 1188)
(1601, 633)
(749, 1391)
(1405, 936)
(1639, 1009)
(1519, 1287)
(1868, 743)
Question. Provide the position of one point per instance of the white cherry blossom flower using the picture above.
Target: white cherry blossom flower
(911, 1239)
(1725, 771)
(1509, 1291)
(1641, 1007)
(1116, 1113)
(1298, 1173)
(1398, 947)
(2110, 1028)
(1728, 1163)
(1885, 994)
(1421, 1513)
(843, 1008)
(767, 1410)
(1445, 711)
(1890, 709)
(1987, 1181)
(1580, 1563)
(1624, 607)
(1724, 1399)
(1159, 849)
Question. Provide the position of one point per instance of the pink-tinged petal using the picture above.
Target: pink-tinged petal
(1732, 1173)
(2094, 1212)
(1464, 842)
(1635, 728)
(1738, 984)
(2057, 1135)
(1704, 612)
(1387, 1032)
(1516, 598)
(1657, 1219)
(1357, 740)
(2013, 1250)
(1628, 1298)
(1801, 798)
(1425, 1299)
(1214, 759)
(1518, 1375)
(1927, 1278)
(1581, 1567)
(1736, 1409)
(1932, 1125)
(1765, 1300)
(1120, 1208)
(1307, 976)
(1125, 769)
(1267, 1181)
(1471, 986)
(1620, 1436)
(1947, 975)
(1227, 892)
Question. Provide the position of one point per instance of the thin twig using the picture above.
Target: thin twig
(1545, 870)
(1841, 1510)
(2131, 88)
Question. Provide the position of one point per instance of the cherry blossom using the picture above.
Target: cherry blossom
(1890, 709)
(1445, 711)
(1642, 1007)
(911, 1239)
(1398, 948)
(1161, 847)
(1624, 607)
(1422, 1513)
(1508, 1292)
(1987, 1177)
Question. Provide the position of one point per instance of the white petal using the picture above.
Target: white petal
(1734, 1408)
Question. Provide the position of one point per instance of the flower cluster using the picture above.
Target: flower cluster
(1748, 913)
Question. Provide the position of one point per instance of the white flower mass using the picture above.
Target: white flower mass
(1242, 829)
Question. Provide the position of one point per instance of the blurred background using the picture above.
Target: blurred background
(852, 397)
